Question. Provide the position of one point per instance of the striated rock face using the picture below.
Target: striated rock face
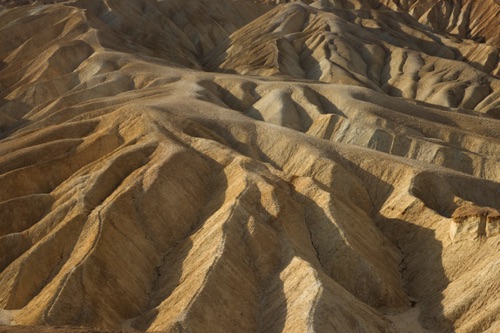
(250, 166)
(474, 222)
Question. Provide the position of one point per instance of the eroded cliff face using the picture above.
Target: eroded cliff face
(250, 166)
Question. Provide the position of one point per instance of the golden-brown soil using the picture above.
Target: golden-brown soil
(250, 166)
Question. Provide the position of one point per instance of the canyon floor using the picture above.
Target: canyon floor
(250, 166)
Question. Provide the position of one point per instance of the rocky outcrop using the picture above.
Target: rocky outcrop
(472, 222)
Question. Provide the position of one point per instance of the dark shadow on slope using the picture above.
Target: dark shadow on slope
(9, 121)
(482, 192)
(11, 111)
(169, 272)
(422, 254)
(273, 307)
(439, 192)
(420, 240)
(422, 268)
(327, 106)
(336, 240)
(385, 77)
(434, 192)
(494, 113)
(275, 303)
(241, 104)
(168, 277)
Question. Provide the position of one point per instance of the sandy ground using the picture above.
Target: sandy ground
(407, 322)
(6, 316)
(47, 329)
(6, 319)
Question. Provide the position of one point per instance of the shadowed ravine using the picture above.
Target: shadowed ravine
(250, 166)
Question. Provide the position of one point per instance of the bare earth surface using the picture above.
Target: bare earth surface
(250, 166)
(51, 329)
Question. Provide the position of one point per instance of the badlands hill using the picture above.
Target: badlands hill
(250, 166)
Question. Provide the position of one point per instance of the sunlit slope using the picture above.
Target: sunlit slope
(223, 166)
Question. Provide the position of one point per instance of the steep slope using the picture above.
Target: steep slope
(220, 166)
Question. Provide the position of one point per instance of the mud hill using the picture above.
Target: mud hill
(250, 166)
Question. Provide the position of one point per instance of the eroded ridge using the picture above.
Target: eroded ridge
(250, 166)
